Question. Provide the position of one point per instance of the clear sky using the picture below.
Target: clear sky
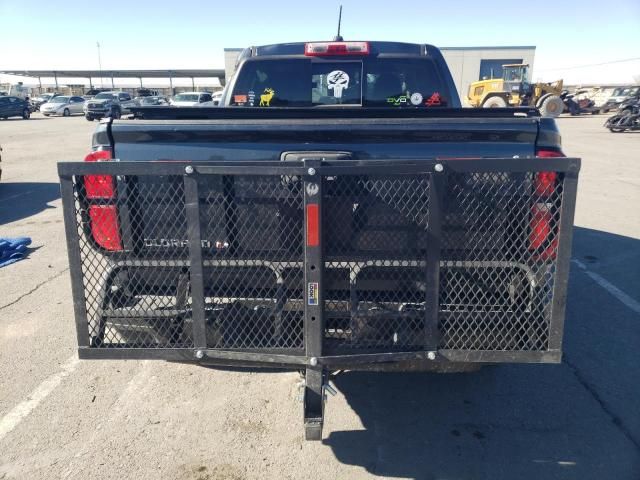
(571, 37)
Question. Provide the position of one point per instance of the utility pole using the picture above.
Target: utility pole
(99, 63)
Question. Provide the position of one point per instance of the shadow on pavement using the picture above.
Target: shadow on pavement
(579, 420)
(22, 200)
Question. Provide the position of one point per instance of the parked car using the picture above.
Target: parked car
(618, 96)
(152, 100)
(63, 105)
(41, 99)
(215, 100)
(146, 92)
(14, 107)
(190, 99)
(375, 226)
(108, 104)
(93, 92)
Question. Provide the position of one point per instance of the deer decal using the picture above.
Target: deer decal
(265, 98)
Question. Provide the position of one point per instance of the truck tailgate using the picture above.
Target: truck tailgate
(266, 139)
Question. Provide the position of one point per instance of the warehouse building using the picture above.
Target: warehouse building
(467, 64)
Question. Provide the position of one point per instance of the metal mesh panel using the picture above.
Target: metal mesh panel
(253, 261)
(500, 240)
(134, 246)
(135, 277)
(375, 245)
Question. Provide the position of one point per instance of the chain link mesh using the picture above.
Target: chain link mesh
(500, 240)
(497, 233)
(375, 243)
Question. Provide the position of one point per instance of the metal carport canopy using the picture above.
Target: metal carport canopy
(164, 73)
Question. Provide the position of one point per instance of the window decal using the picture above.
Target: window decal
(265, 98)
(337, 81)
(434, 100)
(401, 100)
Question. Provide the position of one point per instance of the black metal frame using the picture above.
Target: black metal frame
(312, 359)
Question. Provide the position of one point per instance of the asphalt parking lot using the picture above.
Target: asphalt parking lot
(64, 418)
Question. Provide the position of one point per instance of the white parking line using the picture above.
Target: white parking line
(12, 419)
(610, 287)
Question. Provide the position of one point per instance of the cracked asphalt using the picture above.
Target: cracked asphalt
(63, 418)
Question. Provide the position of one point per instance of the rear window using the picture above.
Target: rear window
(375, 82)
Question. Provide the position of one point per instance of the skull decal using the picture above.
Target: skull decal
(337, 81)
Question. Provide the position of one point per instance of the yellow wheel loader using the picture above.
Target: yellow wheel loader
(514, 90)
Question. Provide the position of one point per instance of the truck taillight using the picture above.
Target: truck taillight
(103, 219)
(98, 186)
(320, 49)
(105, 228)
(545, 181)
(543, 237)
(540, 230)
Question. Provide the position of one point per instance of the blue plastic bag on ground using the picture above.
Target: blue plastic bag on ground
(13, 249)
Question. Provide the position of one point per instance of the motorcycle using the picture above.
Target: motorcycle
(627, 118)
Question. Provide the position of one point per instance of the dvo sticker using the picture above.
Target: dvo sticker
(240, 99)
(251, 96)
(312, 293)
(416, 98)
(401, 100)
(265, 98)
(337, 81)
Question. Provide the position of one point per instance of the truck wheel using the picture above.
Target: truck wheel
(89, 119)
(115, 113)
(26, 114)
(551, 106)
(66, 112)
(495, 102)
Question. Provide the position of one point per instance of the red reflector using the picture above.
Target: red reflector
(104, 226)
(316, 49)
(98, 186)
(313, 225)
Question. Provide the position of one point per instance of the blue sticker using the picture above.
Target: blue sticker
(312, 293)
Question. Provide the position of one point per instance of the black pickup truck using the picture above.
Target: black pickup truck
(339, 212)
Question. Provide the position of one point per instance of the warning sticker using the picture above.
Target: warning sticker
(312, 293)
